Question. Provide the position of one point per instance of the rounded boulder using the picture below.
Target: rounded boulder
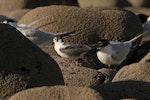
(58, 93)
(23, 65)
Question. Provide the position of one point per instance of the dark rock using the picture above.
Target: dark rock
(125, 89)
(23, 65)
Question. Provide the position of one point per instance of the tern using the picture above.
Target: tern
(146, 27)
(145, 20)
(70, 50)
(40, 38)
(114, 53)
(43, 38)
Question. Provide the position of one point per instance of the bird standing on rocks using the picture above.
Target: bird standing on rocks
(40, 38)
(43, 38)
(145, 20)
(70, 50)
(114, 53)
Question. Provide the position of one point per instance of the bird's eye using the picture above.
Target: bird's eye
(55, 39)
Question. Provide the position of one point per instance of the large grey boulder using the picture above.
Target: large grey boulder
(138, 71)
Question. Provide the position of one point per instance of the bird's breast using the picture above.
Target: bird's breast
(104, 58)
(57, 49)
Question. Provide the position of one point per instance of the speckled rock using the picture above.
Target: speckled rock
(103, 3)
(58, 93)
(90, 25)
(125, 89)
(76, 74)
(23, 65)
(139, 3)
(108, 73)
(124, 26)
(138, 71)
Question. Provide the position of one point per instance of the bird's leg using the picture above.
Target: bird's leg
(108, 76)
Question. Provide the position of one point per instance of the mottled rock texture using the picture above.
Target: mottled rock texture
(125, 89)
(90, 25)
(138, 71)
(23, 65)
(58, 93)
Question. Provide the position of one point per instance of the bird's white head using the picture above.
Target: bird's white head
(58, 39)
(148, 19)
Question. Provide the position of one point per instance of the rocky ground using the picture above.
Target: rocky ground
(30, 73)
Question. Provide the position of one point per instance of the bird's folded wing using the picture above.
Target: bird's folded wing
(120, 51)
(74, 50)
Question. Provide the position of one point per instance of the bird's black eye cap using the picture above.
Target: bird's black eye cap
(143, 18)
(59, 38)
(10, 20)
(103, 43)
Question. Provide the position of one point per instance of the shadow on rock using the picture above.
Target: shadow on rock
(125, 89)
(23, 65)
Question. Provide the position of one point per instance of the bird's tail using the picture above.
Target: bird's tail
(37, 21)
(97, 46)
(45, 25)
(138, 37)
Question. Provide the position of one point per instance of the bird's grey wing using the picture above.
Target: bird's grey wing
(75, 50)
(41, 38)
(28, 32)
(120, 51)
(34, 33)
(22, 28)
(146, 26)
